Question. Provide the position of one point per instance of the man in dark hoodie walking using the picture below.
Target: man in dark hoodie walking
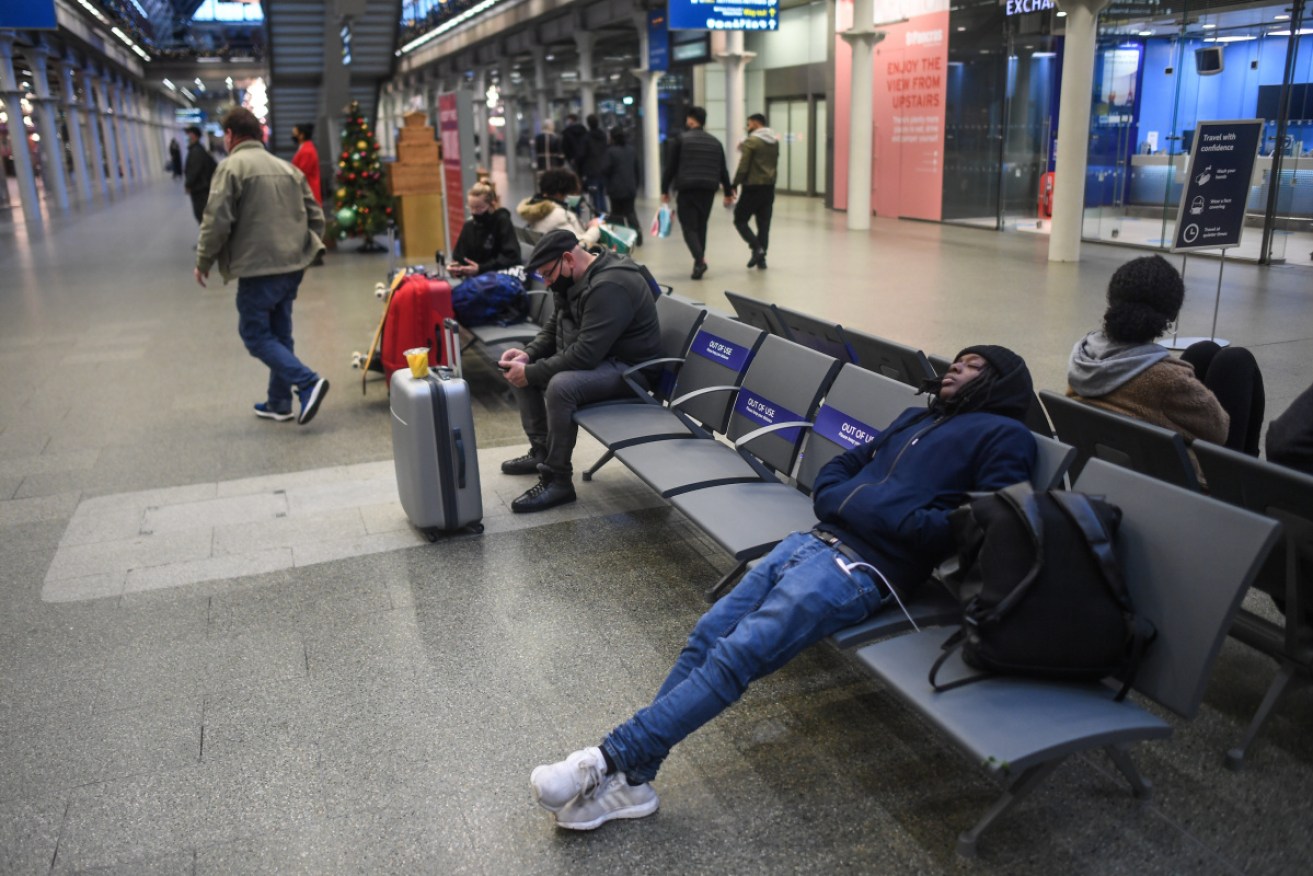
(883, 509)
(695, 165)
(759, 155)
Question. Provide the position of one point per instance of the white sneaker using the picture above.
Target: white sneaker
(614, 798)
(558, 783)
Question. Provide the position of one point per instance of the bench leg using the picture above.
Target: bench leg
(1020, 787)
(1140, 786)
(727, 581)
(1235, 758)
(601, 461)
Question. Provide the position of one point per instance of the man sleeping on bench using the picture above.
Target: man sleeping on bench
(883, 510)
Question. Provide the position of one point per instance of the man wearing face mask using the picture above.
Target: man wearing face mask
(605, 321)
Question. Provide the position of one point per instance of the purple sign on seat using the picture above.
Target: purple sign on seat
(731, 355)
(848, 432)
(764, 412)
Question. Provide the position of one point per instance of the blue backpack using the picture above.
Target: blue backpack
(490, 299)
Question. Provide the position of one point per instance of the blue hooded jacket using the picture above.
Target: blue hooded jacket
(890, 499)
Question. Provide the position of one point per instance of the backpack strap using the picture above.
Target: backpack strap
(952, 644)
(1021, 499)
(1078, 508)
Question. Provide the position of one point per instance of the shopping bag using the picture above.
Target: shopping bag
(661, 222)
(618, 237)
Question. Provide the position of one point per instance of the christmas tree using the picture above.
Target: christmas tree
(362, 204)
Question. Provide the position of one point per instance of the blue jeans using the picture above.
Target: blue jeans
(264, 310)
(796, 596)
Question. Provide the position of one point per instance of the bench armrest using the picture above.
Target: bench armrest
(706, 390)
(766, 430)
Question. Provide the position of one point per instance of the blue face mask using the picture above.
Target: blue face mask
(572, 201)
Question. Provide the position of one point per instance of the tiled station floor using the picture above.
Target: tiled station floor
(222, 650)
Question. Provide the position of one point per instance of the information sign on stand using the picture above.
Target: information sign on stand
(456, 130)
(1211, 214)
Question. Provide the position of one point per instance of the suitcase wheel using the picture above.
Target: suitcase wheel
(380, 291)
(357, 358)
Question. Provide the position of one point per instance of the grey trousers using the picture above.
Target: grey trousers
(548, 414)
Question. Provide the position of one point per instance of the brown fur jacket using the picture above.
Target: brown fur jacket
(1168, 394)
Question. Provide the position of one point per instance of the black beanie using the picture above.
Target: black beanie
(1008, 391)
(1004, 360)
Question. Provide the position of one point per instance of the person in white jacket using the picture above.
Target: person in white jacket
(549, 210)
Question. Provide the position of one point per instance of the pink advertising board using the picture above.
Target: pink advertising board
(449, 133)
(911, 70)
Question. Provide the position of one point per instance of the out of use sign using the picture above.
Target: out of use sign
(1212, 211)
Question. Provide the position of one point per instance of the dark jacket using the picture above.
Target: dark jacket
(695, 161)
(890, 499)
(593, 162)
(622, 171)
(1290, 436)
(199, 171)
(490, 242)
(574, 143)
(608, 314)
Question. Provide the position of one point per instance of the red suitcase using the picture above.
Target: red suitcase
(415, 315)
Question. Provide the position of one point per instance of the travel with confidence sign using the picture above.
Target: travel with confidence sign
(1212, 210)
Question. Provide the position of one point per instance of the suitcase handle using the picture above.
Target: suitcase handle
(460, 457)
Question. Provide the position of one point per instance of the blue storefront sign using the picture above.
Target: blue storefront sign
(28, 14)
(1212, 210)
(658, 41)
(724, 14)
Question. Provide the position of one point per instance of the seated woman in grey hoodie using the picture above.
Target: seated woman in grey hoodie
(1211, 392)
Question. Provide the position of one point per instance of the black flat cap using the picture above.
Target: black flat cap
(551, 247)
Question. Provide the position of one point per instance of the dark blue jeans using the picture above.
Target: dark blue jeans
(264, 310)
(796, 596)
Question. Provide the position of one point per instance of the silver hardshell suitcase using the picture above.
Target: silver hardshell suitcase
(434, 448)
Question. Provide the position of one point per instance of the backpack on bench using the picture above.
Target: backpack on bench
(1043, 594)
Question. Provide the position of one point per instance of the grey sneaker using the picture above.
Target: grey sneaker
(613, 798)
(556, 784)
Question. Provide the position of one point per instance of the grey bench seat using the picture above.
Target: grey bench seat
(1188, 560)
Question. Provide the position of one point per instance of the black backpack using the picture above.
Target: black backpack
(1042, 592)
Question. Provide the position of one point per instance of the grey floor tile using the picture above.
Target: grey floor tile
(28, 835)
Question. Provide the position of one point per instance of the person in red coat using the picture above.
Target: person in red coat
(306, 158)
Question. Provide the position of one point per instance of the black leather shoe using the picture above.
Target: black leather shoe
(522, 465)
(756, 258)
(699, 268)
(550, 491)
(761, 261)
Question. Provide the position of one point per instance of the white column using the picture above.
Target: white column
(540, 87)
(53, 172)
(1073, 127)
(584, 40)
(146, 164)
(510, 108)
(13, 98)
(862, 38)
(480, 86)
(114, 91)
(734, 59)
(91, 87)
(651, 115)
(73, 113)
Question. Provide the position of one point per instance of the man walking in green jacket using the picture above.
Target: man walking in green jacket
(760, 155)
(263, 225)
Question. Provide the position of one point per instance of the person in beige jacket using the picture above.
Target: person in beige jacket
(262, 225)
(1209, 393)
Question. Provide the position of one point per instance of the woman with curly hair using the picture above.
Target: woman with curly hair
(1211, 392)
